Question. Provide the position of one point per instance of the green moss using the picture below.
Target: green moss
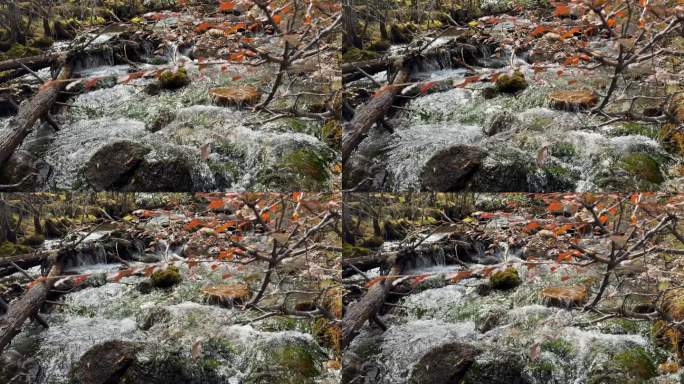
(559, 347)
(349, 251)
(373, 242)
(355, 54)
(8, 249)
(643, 166)
(174, 79)
(507, 279)
(379, 46)
(309, 168)
(542, 367)
(42, 42)
(331, 133)
(511, 83)
(633, 128)
(563, 150)
(296, 360)
(17, 51)
(637, 363)
(33, 240)
(166, 278)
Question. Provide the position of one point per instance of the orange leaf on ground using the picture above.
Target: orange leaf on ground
(562, 10)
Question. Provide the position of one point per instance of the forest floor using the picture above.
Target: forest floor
(178, 289)
(504, 291)
(177, 98)
(516, 92)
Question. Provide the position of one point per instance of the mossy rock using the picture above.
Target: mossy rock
(644, 166)
(511, 83)
(286, 361)
(402, 33)
(356, 54)
(170, 79)
(559, 347)
(331, 133)
(166, 278)
(17, 51)
(33, 240)
(379, 46)
(396, 229)
(8, 249)
(373, 242)
(630, 366)
(349, 251)
(504, 280)
(309, 167)
(42, 42)
(672, 138)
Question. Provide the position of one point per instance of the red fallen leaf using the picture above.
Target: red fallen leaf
(149, 270)
(36, 281)
(277, 18)
(122, 274)
(194, 223)
(531, 227)
(247, 40)
(539, 31)
(562, 10)
(419, 279)
(554, 206)
(237, 56)
(214, 267)
(90, 83)
(460, 276)
(570, 82)
(192, 262)
(265, 217)
(563, 229)
(564, 256)
(565, 277)
(297, 196)
(202, 27)
(613, 211)
(603, 219)
(633, 219)
(468, 80)
(611, 22)
(133, 76)
(226, 255)
(572, 60)
(537, 69)
(216, 204)
(426, 87)
(79, 279)
(226, 276)
(226, 6)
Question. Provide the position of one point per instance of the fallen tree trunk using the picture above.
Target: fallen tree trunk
(372, 112)
(33, 62)
(29, 112)
(27, 306)
(25, 261)
(368, 307)
(364, 263)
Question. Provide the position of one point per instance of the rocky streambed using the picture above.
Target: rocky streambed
(516, 120)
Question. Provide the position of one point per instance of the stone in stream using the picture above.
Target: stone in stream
(449, 169)
(511, 83)
(504, 280)
(573, 100)
(235, 96)
(105, 363)
(227, 295)
(564, 297)
(111, 165)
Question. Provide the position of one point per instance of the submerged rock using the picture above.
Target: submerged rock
(565, 297)
(450, 169)
(573, 100)
(111, 165)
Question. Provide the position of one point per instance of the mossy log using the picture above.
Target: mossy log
(33, 62)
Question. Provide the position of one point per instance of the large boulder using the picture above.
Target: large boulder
(167, 174)
(450, 169)
(111, 165)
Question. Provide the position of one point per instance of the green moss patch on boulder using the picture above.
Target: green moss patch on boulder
(504, 280)
(166, 278)
(643, 166)
(511, 83)
(170, 79)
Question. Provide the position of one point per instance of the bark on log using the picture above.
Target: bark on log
(27, 306)
(366, 308)
(29, 112)
(33, 62)
(24, 261)
(371, 113)
(364, 263)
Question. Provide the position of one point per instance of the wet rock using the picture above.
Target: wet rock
(167, 174)
(483, 289)
(290, 358)
(105, 363)
(630, 366)
(573, 100)
(148, 318)
(111, 165)
(449, 169)
(505, 169)
(20, 166)
(444, 364)
(644, 166)
(504, 280)
(227, 295)
(235, 96)
(496, 366)
(564, 297)
(145, 287)
(396, 229)
(166, 278)
(56, 228)
(170, 79)
(402, 33)
(499, 122)
(511, 83)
